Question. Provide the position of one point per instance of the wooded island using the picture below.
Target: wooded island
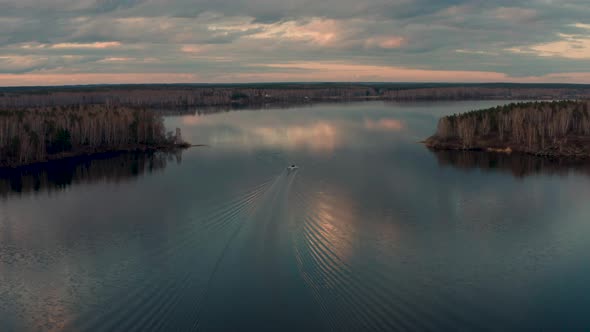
(559, 128)
(36, 135)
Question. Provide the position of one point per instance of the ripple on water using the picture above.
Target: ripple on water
(148, 304)
(353, 295)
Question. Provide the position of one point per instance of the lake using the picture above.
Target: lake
(372, 232)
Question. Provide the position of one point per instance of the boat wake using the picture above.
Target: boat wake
(280, 244)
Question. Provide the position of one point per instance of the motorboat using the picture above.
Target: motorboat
(293, 167)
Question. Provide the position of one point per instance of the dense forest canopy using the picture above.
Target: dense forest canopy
(39, 134)
(546, 128)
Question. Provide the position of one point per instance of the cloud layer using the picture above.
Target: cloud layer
(118, 41)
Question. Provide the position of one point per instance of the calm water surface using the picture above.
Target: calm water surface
(373, 232)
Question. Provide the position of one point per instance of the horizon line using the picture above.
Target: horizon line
(292, 83)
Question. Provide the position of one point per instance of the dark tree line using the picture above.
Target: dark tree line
(480, 93)
(39, 134)
(545, 128)
(192, 96)
(181, 97)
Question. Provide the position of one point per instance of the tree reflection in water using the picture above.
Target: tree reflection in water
(58, 175)
(519, 165)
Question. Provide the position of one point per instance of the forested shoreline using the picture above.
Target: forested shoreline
(173, 96)
(559, 128)
(35, 135)
(38, 124)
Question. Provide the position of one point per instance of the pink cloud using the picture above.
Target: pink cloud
(514, 14)
(96, 45)
(191, 48)
(94, 78)
(340, 71)
(388, 42)
(292, 72)
(570, 47)
(316, 31)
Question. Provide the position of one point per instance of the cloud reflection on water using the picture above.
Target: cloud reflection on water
(321, 136)
(335, 219)
(290, 130)
(387, 124)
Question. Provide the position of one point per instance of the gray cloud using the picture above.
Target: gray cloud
(519, 38)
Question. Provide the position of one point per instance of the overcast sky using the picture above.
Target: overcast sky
(46, 42)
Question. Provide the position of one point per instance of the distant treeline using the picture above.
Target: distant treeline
(39, 134)
(559, 128)
(187, 95)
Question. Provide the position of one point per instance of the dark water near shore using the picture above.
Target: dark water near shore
(373, 232)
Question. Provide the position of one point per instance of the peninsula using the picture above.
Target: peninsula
(34, 135)
(555, 129)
